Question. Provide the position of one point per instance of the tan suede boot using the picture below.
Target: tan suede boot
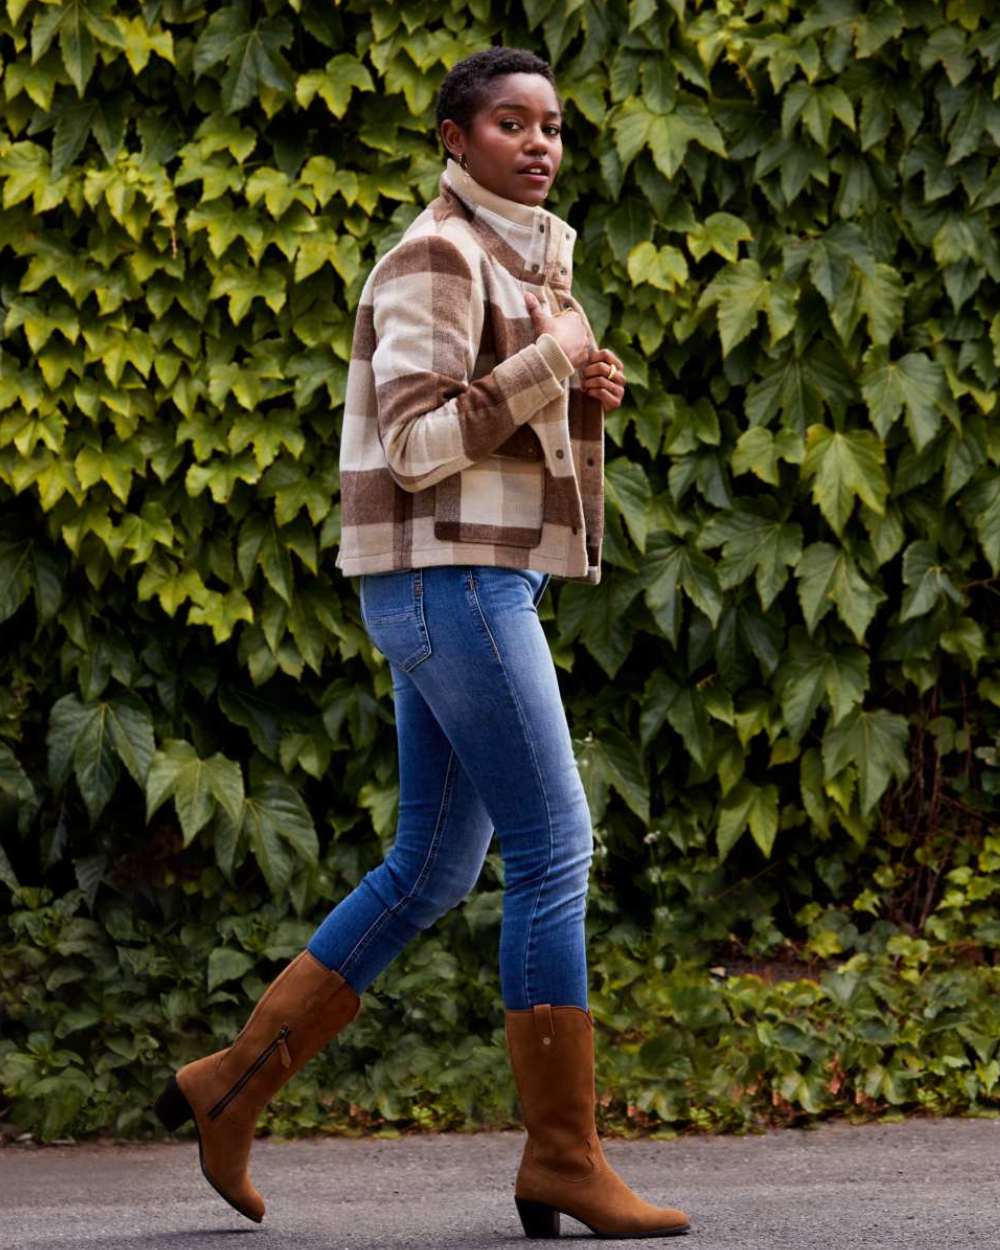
(563, 1168)
(300, 1011)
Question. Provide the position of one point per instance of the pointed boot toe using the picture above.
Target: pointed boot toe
(226, 1092)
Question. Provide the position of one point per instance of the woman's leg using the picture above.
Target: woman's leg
(476, 678)
(519, 751)
(443, 833)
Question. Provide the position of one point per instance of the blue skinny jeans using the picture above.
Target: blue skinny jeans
(483, 744)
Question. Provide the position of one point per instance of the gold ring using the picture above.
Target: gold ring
(612, 370)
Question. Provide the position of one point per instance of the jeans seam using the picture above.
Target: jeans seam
(529, 939)
(375, 927)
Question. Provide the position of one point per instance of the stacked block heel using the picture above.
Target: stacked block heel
(172, 1108)
(538, 1218)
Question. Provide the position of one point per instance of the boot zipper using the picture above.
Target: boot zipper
(278, 1044)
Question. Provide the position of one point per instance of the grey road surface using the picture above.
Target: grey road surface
(914, 1186)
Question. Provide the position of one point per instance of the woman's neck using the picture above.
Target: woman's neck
(462, 181)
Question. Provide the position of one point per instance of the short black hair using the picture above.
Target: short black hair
(466, 83)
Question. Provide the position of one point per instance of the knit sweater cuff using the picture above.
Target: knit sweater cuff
(554, 356)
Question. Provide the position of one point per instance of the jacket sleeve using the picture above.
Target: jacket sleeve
(433, 421)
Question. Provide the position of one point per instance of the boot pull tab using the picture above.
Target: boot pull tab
(545, 1028)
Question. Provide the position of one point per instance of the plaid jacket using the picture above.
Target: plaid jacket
(465, 440)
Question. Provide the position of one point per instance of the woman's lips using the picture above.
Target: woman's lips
(538, 180)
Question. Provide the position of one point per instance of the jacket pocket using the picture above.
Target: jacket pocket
(499, 500)
(392, 608)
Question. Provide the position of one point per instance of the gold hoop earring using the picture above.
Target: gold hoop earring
(463, 162)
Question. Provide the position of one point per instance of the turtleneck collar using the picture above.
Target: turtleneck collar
(543, 242)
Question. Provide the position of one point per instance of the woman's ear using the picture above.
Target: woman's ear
(452, 138)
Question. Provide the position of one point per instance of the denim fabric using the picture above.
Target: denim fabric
(483, 744)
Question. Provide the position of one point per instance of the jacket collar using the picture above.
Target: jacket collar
(534, 244)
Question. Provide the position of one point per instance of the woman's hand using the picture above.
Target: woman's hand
(604, 378)
(567, 328)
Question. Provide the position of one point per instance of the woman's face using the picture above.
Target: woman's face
(513, 146)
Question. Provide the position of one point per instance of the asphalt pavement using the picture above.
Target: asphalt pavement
(917, 1185)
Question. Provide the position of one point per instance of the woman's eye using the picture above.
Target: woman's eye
(509, 124)
(554, 131)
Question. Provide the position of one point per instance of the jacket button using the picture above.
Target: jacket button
(559, 453)
(576, 529)
(590, 459)
(562, 268)
(535, 268)
(541, 229)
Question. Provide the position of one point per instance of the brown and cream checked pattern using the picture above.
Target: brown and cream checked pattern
(465, 439)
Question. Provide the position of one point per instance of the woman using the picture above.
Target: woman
(471, 472)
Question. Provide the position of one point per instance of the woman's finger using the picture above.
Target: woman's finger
(609, 396)
(603, 382)
(605, 370)
(603, 356)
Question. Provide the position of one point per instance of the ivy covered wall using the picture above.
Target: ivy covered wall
(784, 693)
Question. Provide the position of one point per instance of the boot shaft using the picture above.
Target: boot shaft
(300, 1011)
(552, 1056)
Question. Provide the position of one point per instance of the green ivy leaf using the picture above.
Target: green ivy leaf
(226, 964)
(7, 874)
(721, 233)
(243, 286)
(874, 743)
(335, 83)
(140, 41)
(927, 582)
(599, 616)
(667, 135)
(198, 787)
(844, 467)
(15, 785)
(251, 52)
(610, 761)
(759, 451)
(809, 673)
(627, 489)
(280, 832)
(382, 803)
(754, 544)
(90, 740)
(748, 805)
(261, 545)
(915, 383)
(662, 267)
(222, 613)
(828, 577)
(15, 577)
(816, 107)
(982, 504)
(741, 292)
(669, 567)
(683, 708)
(77, 23)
